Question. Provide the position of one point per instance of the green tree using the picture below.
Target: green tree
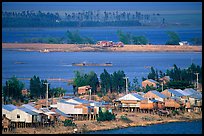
(13, 88)
(173, 38)
(139, 40)
(105, 78)
(82, 79)
(35, 87)
(125, 38)
(56, 92)
(118, 81)
(106, 116)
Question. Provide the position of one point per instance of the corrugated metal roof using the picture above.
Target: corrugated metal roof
(176, 93)
(64, 101)
(62, 113)
(151, 80)
(28, 106)
(28, 111)
(190, 91)
(128, 97)
(137, 96)
(9, 107)
(193, 93)
(182, 92)
(159, 94)
(81, 100)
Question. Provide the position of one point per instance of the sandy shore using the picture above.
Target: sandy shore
(137, 119)
(89, 48)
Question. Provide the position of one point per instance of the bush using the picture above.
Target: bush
(69, 123)
(125, 119)
(175, 112)
(106, 116)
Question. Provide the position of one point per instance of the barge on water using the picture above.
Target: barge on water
(92, 64)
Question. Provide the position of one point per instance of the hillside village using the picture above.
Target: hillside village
(86, 107)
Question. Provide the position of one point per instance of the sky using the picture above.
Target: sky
(162, 7)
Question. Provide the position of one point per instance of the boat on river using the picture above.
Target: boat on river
(92, 64)
(45, 51)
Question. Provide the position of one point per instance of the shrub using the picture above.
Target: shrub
(125, 119)
(106, 116)
(69, 123)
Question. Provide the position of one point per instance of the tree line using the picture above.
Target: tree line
(105, 83)
(13, 87)
(79, 19)
(180, 78)
(74, 37)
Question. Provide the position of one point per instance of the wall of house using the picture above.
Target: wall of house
(7, 113)
(145, 83)
(171, 103)
(24, 117)
(166, 93)
(68, 108)
(152, 95)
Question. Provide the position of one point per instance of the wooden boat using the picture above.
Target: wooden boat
(44, 51)
(92, 64)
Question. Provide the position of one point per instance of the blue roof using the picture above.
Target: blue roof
(151, 80)
(9, 107)
(64, 101)
(138, 96)
(28, 106)
(28, 111)
(62, 113)
(81, 100)
(175, 92)
(159, 94)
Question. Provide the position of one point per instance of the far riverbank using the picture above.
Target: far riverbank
(90, 48)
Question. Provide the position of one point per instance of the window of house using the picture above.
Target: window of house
(92, 110)
(18, 116)
(4, 115)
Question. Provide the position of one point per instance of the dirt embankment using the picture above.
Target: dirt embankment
(135, 119)
(89, 48)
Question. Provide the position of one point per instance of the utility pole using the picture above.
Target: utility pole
(126, 83)
(89, 94)
(162, 86)
(197, 80)
(46, 94)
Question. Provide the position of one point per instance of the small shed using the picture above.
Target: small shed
(84, 89)
(149, 82)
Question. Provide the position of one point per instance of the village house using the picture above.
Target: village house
(84, 89)
(155, 95)
(24, 92)
(6, 123)
(149, 106)
(7, 109)
(164, 79)
(149, 82)
(130, 102)
(173, 104)
(23, 117)
(79, 109)
(172, 93)
(195, 99)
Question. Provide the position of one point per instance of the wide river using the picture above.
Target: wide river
(194, 127)
(59, 64)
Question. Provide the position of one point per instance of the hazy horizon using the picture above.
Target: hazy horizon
(162, 7)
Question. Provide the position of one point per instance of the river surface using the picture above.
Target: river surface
(194, 127)
(59, 64)
(155, 35)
